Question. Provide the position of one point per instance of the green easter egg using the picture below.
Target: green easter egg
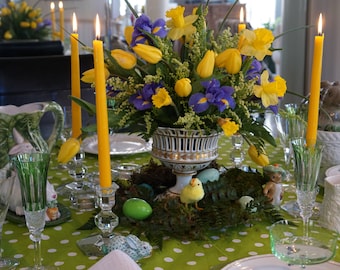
(136, 208)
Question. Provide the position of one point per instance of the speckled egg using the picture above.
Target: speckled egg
(210, 174)
(136, 208)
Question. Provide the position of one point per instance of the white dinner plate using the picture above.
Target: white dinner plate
(120, 144)
(270, 262)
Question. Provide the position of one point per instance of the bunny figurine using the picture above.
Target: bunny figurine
(129, 244)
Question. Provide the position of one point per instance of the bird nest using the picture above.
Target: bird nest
(221, 208)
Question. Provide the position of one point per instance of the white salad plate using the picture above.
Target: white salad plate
(120, 144)
(270, 262)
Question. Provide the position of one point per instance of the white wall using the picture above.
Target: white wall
(85, 10)
(293, 44)
(331, 53)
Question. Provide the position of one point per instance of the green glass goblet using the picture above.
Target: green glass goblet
(32, 171)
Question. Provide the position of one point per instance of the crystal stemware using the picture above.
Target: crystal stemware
(289, 126)
(289, 244)
(307, 165)
(6, 186)
(32, 171)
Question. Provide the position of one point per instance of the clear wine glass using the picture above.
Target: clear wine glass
(32, 171)
(6, 186)
(289, 126)
(282, 125)
(289, 244)
(66, 133)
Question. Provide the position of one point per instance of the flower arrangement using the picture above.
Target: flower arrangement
(179, 73)
(21, 21)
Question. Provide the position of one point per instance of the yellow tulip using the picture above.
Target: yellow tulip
(149, 53)
(68, 150)
(24, 24)
(5, 11)
(125, 59)
(260, 159)
(183, 87)
(128, 34)
(230, 59)
(11, 4)
(206, 67)
(34, 25)
(8, 35)
(89, 75)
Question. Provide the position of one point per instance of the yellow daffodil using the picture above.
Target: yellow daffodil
(260, 158)
(68, 150)
(269, 92)
(179, 25)
(230, 59)
(256, 43)
(128, 34)
(205, 68)
(33, 25)
(229, 127)
(149, 53)
(125, 59)
(183, 87)
(89, 75)
(161, 98)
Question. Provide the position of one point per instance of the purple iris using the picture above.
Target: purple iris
(144, 25)
(142, 100)
(221, 97)
(111, 91)
(254, 70)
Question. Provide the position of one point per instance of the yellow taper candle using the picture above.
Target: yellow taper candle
(61, 20)
(314, 99)
(52, 7)
(75, 80)
(241, 25)
(101, 111)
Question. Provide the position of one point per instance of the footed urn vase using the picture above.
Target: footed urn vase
(184, 151)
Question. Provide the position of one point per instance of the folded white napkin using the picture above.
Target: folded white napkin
(116, 260)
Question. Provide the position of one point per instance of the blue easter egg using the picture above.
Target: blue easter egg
(210, 174)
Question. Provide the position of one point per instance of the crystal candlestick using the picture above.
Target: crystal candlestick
(106, 220)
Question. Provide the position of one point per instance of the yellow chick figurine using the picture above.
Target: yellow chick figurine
(192, 193)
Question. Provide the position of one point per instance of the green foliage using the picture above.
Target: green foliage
(220, 205)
